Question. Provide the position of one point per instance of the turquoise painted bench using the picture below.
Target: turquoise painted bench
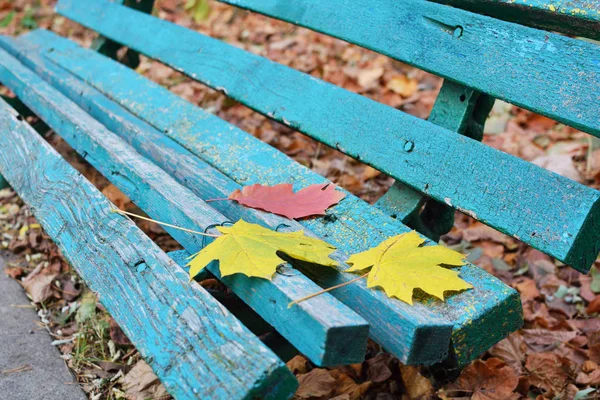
(169, 156)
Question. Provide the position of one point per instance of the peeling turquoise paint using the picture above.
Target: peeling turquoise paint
(544, 72)
(205, 351)
(352, 226)
(396, 324)
(556, 215)
(326, 331)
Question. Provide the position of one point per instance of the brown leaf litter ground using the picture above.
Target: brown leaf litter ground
(554, 356)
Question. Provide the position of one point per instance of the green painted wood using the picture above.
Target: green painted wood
(556, 216)
(400, 328)
(205, 351)
(481, 316)
(110, 48)
(454, 108)
(328, 332)
(405, 204)
(510, 62)
(573, 17)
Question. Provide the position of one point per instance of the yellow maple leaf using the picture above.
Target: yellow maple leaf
(399, 266)
(251, 250)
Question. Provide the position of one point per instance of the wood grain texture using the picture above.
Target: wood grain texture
(110, 48)
(327, 331)
(399, 327)
(246, 315)
(352, 225)
(508, 61)
(205, 351)
(556, 215)
(573, 17)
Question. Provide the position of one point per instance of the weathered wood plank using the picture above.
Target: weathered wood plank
(508, 61)
(110, 48)
(481, 316)
(326, 331)
(400, 328)
(555, 215)
(246, 315)
(573, 17)
(195, 346)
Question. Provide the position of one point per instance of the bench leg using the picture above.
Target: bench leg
(459, 109)
(110, 48)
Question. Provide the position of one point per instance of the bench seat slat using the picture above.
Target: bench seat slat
(546, 73)
(573, 17)
(325, 330)
(195, 346)
(399, 327)
(481, 316)
(548, 212)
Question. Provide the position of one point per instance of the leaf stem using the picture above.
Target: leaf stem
(162, 223)
(218, 199)
(310, 296)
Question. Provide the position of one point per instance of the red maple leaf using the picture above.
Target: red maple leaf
(280, 199)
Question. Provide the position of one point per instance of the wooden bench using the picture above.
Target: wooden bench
(168, 156)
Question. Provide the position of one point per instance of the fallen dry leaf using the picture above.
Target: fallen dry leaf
(547, 371)
(528, 290)
(593, 169)
(400, 265)
(594, 346)
(251, 250)
(39, 286)
(298, 365)
(367, 78)
(488, 380)
(545, 337)
(346, 386)
(561, 164)
(379, 368)
(512, 351)
(117, 335)
(68, 288)
(141, 383)
(594, 306)
(591, 378)
(403, 85)
(14, 272)
(417, 386)
(316, 383)
(281, 199)
(483, 232)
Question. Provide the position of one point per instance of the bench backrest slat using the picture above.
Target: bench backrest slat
(159, 195)
(352, 225)
(573, 17)
(556, 215)
(550, 74)
(136, 281)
